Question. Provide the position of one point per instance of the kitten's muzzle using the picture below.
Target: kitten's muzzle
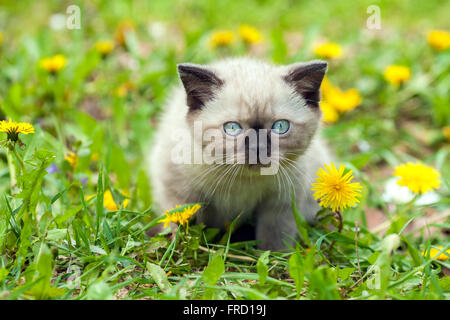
(257, 148)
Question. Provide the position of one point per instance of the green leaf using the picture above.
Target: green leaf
(107, 232)
(323, 284)
(56, 234)
(297, 271)
(44, 272)
(212, 273)
(383, 263)
(31, 182)
(44, 222)
(344, 273)
(99, 200)
(25, 241)
(99, 291)
(59, 194)
(413, 252)
(444, 283)
(159, 276)
(302, 225)
(261, 267)
(214, 270)
(373, 257)
(4, 218)
(69, 213)
(3, 273)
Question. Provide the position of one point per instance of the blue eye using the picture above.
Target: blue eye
(280, 126)
(232, 128)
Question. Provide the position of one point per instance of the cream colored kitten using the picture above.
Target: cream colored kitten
(231, 98)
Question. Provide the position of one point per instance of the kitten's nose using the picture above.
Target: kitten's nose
(257, 147)
(263, 146)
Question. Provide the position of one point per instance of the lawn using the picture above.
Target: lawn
(87, 81)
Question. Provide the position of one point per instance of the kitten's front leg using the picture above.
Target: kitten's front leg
(275, 222)
(275, 226)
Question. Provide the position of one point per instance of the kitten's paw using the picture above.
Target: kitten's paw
(159, 228)
(154, 230)
(271, 246)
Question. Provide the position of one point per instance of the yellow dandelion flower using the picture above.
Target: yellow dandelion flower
(419, 178)
(397, 75)
(334, 189)
(169, 218)
(352, 99)
(53, 64)
(330, 114)
(326, 85)
(434, 254)
(124, 89)
(439, 39)
(249, 34)
(1, 37)
(72, 158)
(125, 27)
(104, 47)
(180, 215)
(329, 91)
(446, 132)
(343, 100)
(221, 38)
(95, 156)
(110, 204)
(328, 50)
(121, 91)
(188, 212)
(13, 129)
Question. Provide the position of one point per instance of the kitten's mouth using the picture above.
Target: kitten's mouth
(256, 166)
(257, 169)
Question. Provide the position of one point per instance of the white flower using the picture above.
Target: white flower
(157, 30)
(57, 21)
(399, 194)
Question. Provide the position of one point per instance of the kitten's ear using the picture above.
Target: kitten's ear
(306, 78)
(199, 82)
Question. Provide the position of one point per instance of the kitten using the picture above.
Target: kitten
(226, 101)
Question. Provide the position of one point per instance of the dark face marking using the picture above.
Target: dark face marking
(256, 125)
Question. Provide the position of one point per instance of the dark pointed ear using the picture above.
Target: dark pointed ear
(200, 84)
(306, 78)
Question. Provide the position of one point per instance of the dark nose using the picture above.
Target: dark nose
(258, 147)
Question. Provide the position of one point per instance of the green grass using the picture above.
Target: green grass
(59, 241)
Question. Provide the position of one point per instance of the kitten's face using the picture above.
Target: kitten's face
(267, 113)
